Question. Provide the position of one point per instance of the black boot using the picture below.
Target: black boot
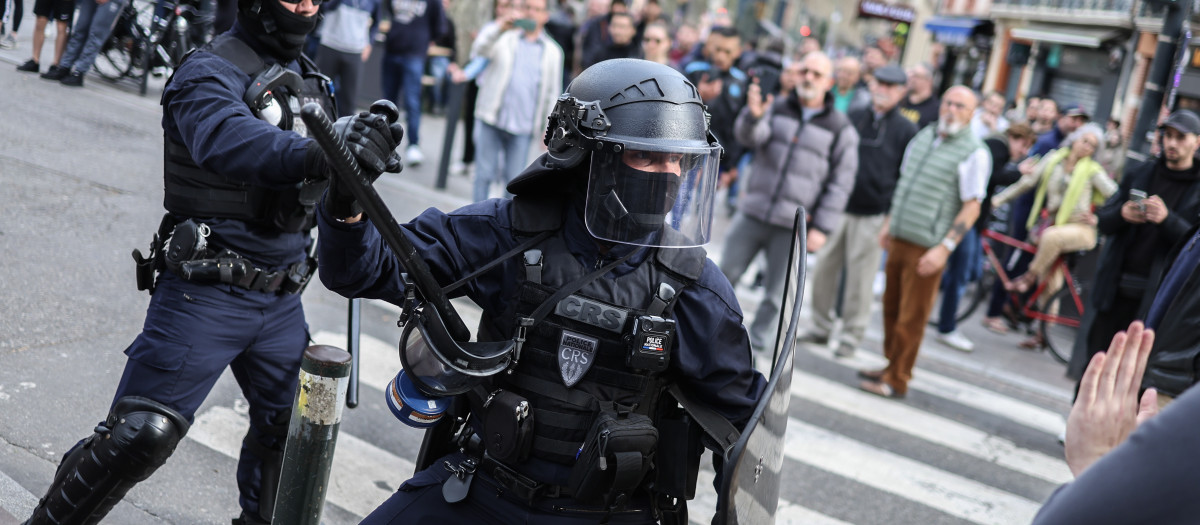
(56, 72)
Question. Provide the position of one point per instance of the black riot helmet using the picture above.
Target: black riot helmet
(652, 161)
(271, 24)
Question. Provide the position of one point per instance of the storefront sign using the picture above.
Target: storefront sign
(880, 9)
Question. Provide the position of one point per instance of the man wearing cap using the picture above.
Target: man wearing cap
(1154, 208)
(854, 246)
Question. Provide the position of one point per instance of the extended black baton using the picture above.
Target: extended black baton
(346, 169)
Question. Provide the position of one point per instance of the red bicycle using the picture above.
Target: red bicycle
(1057, 317)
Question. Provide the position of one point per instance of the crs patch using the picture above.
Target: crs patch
(592, 312)
(576, 353)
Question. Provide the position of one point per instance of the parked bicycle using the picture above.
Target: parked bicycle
(142, 42)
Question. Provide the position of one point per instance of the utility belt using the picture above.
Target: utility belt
(187, 253)
(518, 485)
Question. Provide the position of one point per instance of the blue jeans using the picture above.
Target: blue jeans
(437, 70)
(93, 25)
(401, 79)
(963, 266)
(499, 157)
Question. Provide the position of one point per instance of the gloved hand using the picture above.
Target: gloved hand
(372, 141)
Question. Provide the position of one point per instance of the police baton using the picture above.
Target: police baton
(353, 327)
(346, 169)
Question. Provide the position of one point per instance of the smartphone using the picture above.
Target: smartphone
(1136, 195)
(525, 24)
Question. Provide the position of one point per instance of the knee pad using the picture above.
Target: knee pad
(136, 439)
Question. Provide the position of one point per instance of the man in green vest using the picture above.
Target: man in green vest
(942, 179)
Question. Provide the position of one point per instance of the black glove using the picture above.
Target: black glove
(372, 142)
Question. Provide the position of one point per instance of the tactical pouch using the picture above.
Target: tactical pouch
(615, 458)
(508, 422)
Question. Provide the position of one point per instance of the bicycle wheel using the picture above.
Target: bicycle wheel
(1059, 338)
(977, 294)
(116, 58)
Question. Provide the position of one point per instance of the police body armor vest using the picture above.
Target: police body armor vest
(586, 339)
(192, 191)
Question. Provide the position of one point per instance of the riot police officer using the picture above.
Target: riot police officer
(227, 266)
(606, 331)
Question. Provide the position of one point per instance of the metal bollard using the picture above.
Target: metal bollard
(312, 435)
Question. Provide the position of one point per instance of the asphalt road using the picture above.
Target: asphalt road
(81, 183)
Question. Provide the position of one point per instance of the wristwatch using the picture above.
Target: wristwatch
(949, 244)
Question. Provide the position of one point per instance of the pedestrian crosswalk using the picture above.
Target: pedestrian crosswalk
(1001, 480)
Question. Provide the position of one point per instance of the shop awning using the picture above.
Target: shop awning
(1073, 36)
(952, 31)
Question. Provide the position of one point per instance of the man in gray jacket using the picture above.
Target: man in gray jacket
(805, 154)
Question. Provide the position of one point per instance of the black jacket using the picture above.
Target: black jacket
(1174, 364)
(881, 146)
(1173, 230)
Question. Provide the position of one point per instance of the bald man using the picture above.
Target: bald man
(943, 178)
(805, 154)
(921, 106)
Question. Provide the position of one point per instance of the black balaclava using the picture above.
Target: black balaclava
(281, 31)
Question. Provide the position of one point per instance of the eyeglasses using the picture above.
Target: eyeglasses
(954, 105)
(298, 2)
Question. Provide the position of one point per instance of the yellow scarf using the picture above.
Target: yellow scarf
(1084, 170)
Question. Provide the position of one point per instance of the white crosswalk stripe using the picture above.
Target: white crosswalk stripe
(364, 475)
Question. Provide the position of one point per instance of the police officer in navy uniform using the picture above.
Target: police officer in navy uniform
(226, 269)
(625, 331)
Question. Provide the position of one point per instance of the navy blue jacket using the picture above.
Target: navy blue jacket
(203, 110)
(415, 23)
(712, 354)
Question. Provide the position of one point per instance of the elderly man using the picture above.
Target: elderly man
(854, 246)
(848, 90)
(942, 181)
(818, 176)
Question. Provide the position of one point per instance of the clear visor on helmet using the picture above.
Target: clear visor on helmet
(441, 366)
(652, 194)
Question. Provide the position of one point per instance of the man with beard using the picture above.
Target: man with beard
(1141, 234)
(942, 179)
(854, 246)
(805, 154)
(241, 183)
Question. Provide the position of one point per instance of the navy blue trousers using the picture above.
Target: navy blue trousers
(193, 331)
(419, 500)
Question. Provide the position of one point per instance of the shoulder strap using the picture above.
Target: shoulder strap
(714, 425)
(521, 248)
(233, 49)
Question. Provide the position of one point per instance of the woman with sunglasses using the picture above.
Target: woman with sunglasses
(656, 45)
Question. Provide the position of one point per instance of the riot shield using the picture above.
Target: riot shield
(750, 478)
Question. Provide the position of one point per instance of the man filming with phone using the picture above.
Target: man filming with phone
(1154, 208)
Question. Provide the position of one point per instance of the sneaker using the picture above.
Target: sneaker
(73, 79)
(56, 72)
(956, 341)
(8, 42)
(414, 155)
(30, 66)
(844, 350)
